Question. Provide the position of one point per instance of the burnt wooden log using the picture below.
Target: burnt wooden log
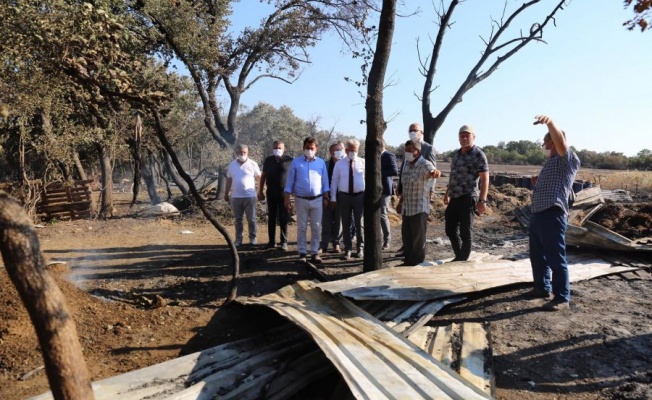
(62, 353)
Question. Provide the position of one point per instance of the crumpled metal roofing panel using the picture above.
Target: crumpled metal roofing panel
(375, 361)
(455, 278)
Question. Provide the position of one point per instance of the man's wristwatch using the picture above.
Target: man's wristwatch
(482, 201)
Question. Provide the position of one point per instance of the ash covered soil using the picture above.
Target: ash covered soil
(144, 290)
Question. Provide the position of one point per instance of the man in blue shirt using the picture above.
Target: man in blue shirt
(307, 179)
(550, 217)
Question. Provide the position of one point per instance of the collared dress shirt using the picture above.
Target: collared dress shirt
(307, 178)
(340, 181)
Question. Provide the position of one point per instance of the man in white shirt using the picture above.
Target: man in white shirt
(348, 194)
(243, 176)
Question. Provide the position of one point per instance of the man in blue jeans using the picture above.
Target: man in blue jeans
(550, 218)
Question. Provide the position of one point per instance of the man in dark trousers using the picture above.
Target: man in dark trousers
(331, 223)
(463, 198)
(388, 170)
(274, 174)
(414, 206)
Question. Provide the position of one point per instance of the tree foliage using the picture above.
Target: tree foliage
(196, 33)
(643, 14)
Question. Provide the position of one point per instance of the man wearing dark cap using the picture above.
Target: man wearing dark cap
(463, 197)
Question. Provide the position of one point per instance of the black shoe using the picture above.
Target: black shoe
(302, 257)
(271, 245)
(385, 246)
(316, 259)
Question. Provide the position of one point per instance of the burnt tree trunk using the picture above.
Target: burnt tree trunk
(106, 198)
(148, 172)
(221, 182)
(376, 126)
(62, 353)
(174, 175)
(81, 172)
(199, 201)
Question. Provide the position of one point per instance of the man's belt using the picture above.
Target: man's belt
(309, 197)
(350, 194)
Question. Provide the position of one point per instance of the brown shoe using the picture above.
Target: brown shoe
(316, 259)
(337, 249)
(537, 293)
(556, 305)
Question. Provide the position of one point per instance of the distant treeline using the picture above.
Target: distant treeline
(525, 152)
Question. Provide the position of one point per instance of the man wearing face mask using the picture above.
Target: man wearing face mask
(274, 174)
(427, 152)
(463, 198)
(550, 218)
(243, 176)
(348, 196)
(331, 223)
(308, 180)
(414, 205)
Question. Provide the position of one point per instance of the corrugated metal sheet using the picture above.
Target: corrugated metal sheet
(456, 278)
(375, 361)
(586, 234)
(473, 359)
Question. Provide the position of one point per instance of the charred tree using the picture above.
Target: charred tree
(62, 353)
(376, 126)
(106, 194)
(498, 49)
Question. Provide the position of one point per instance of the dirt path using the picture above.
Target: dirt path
(153, 289)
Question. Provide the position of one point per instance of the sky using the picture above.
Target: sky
(592, 77)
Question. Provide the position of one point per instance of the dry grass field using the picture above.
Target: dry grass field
(637, 182)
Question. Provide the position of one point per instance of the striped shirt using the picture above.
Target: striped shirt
(416, 192)
(555, 182)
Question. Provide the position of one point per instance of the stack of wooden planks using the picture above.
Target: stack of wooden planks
(66, 201)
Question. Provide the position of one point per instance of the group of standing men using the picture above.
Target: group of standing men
(330, 198)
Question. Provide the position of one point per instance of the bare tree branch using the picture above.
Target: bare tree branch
(492, 48)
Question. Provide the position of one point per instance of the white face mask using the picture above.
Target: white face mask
(277, 152)
(337, 154)
(310, 154)
(409, 157)
(546, 152)
(415, 136)
(242, 158)
(352, 155)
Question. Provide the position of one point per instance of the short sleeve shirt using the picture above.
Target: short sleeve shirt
(465, 173)
(244, 178)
